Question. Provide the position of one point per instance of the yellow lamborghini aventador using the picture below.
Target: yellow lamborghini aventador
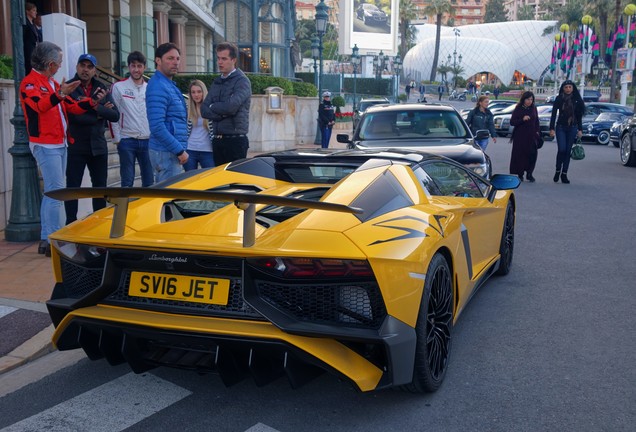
(288, 264)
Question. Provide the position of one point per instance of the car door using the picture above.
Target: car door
(464, 194)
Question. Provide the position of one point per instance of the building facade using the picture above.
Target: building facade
(263, 30)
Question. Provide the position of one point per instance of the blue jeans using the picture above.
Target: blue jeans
(483, 143)
(164, 165)
(52, 164)
(565, 137)
(325, 133)
(203, 158)
(130, 149)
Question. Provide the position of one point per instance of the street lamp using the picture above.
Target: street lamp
(455, 58)
(355, 61)
(24, 219)
(315, 53)
(321, 27)
(397, 68)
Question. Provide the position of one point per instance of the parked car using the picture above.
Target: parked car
(371, 14)
(286, 264)
(595, 108)
(588, 95)
(616, 131)
(364, 104)
(434, 128)
(628, 143)
(592, 112)
(545, 112)
(502, 121)
(495, 107)
(598, 129)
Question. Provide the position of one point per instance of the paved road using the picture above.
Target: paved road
(549, 347)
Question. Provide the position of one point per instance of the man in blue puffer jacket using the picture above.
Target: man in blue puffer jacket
(167, 116)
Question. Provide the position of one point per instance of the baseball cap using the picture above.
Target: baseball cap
(326, 94)
(88, 57)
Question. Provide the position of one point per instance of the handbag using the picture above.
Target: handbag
(539, 142)
(577, 152)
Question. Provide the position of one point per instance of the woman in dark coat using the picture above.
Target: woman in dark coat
(527, 131)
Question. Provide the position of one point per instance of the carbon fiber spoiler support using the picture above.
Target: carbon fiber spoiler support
(120, 198)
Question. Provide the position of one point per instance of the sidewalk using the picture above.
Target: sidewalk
(26, 282)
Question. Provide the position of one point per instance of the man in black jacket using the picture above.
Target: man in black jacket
(227, 105)
(88, 147)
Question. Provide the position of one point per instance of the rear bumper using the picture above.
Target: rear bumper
(236, 349)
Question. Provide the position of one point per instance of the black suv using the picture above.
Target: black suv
(433, 128)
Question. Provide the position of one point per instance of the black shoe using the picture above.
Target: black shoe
(47, 251)
(521, 177)
(42, 247)
(530, 178)
(556, 176)
(564, 178)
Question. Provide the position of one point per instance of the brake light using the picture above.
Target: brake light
(313, 267)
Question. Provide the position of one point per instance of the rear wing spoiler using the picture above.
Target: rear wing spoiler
(120, 197)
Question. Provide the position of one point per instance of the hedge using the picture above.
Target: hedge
(366, 86)
(6, 67)
(259, 84)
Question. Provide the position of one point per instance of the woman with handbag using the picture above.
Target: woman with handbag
(569, 126)
(525, 137)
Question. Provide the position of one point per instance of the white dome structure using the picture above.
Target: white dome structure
(497, 48)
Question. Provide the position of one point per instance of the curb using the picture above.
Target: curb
(36, 347)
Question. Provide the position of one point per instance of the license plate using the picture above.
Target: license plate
(179, 288)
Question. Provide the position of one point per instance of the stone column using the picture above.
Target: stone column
(178, 36)
(160, 13)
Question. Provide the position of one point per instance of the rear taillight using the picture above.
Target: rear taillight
(313, 267)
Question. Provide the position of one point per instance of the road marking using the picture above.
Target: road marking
(6, 310)
(260, 427)
(111, 407)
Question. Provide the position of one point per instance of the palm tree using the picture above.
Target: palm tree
(443, 70)
(438, 8)
(407, 32)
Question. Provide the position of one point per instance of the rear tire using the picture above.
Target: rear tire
(433, 329)
(506, 248)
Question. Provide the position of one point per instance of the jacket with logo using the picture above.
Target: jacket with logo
(130, 99)
(87, 129)
(41, 111)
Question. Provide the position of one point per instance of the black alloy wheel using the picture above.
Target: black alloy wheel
(506, 248)
(433, 328)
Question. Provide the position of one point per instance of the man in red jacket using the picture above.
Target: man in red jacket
(45, 103)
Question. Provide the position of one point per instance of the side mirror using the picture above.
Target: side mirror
(502, 182)
(343, 138)
(482, 134)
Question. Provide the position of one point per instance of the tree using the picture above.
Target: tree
(495, 12)
(443, 70)
(525, 12)
(438, 8)
(407, 32)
